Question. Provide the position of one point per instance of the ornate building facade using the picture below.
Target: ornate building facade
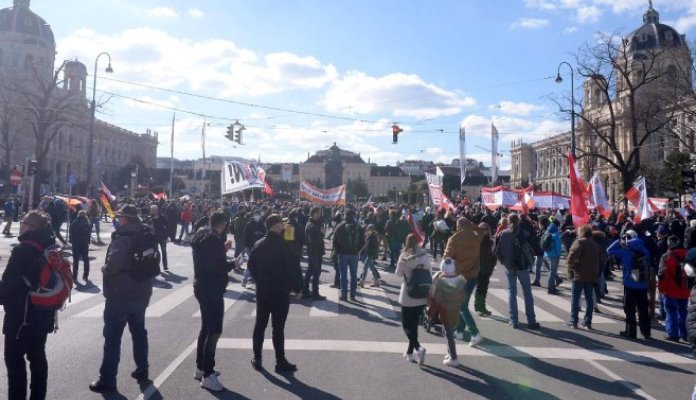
(27, 68)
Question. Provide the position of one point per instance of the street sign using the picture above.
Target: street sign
(15, 177)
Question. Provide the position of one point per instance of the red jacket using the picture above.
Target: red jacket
(672, 280)
(186, 215)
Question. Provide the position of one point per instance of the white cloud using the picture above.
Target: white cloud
(540, 4)
(686, 22)
(570, 29)
(196, 13)
(588, 14)
(511, 128)
(515, 108)
(529, 23)
(399, 94)
(212, 66)
(161, 12)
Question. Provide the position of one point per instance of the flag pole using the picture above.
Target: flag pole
(171, 162)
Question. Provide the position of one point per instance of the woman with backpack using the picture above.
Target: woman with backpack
(672, 284)
(412, 257)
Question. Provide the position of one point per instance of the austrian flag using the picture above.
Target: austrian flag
(578, 206)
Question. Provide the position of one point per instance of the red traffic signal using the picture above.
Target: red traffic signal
(395, 133)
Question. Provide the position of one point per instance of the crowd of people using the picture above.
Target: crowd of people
(651, 257)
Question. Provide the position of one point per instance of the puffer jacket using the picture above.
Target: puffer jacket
(210, 265)
(555, 251)
(464, 247)
(445, 298)
(119, 287)
(625, 257)
(672, 282)
(406, 264)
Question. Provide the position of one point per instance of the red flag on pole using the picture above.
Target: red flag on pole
(578, 206)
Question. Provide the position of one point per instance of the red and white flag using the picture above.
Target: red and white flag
(598, 196)
(106, 191)
(578, 206)
(447, 203)
(415, 230)
(638, 196)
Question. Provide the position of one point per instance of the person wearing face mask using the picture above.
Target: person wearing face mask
(254, 231)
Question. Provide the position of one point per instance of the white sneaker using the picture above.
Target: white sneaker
(420, 356)
(475, 340)
(447, 357)
(212, 383)
(451, 363)
(198, 375)
(409, 357)
(459, 335)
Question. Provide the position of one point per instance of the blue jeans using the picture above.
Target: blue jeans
(466, 320)
(115, 319)
(345, 261)
(675, 323)
(313, 272)
(369, 264)
(576, 289)
(394, 252)
(552, 262)
(538, 263)
(523, 277)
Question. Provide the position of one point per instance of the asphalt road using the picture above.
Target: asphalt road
(354, 350)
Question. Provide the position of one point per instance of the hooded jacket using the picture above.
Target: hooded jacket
(672, 280)
(404, 267)
(119, 287)
(445, 299)
(625, 257)
(555, 251)
(210, 265)
(464, 247)
(272, 267)
(25, 261)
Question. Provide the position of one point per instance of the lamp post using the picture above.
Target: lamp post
(572, 102)
(90, 150)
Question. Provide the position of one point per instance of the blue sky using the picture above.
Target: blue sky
(428, 65)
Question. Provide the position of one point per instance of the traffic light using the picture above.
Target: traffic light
(689, 179)
(235, 132)
(239, 138)
(395, 133)
(33, 168)
(230, 133)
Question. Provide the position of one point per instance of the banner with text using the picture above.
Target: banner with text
(327, 197)
(435, 187)
(501, 196)
(237, 176)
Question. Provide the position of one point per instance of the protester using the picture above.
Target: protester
(254, 231)
(447, 294)
(79, 239)
(348, 240)
(314, 237)
(276, 275)
(369, 254)
(673, 285)
(9, 212)
(25, 326)
(161, 227)
(396, 231)
(487, 263)
(412, 256)
(583, 264)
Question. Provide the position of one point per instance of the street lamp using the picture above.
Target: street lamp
(572, 102)
(90, 149)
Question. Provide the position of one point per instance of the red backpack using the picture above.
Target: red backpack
(55, 279)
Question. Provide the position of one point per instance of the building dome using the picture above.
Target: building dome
(653, 34)
(32, 29)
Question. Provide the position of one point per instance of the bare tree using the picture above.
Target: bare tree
(627, 103)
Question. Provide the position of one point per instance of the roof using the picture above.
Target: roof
(653, 34)
(385, 171)
(20, 19)
(347, 157)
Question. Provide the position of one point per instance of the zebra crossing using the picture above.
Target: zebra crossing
(379, 303)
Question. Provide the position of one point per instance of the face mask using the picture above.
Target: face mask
(257, 218)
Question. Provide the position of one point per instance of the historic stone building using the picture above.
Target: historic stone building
(27, 67)
(654, 56)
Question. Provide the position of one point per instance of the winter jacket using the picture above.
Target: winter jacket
(488, 259)
(80, 230)
(314, 238)
(583, 261)
(445, 298)
(672, 279)
(491, 220)
(254, 231)
(272, 266)
(239, 226)
(186, 215)
(120, 288)
(294, 236)
(397, 230)
(25, 261)
(404, 267)
(427, 224)
(555, 251)
(625, 258)
(603, 242)
(372, 245)
(160, 226)
(464, 247)
(210, 265)
(510, 251)
(172, 213)
(348, 238)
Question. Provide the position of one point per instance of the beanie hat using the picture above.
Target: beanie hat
(447, 266)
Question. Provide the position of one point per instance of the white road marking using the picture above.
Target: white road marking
(169, 302)
(231, 297)
(77, 296)
(541, 315)
(328, 307)
(94, 312)
(554, 300)
(380, 305)
(440, 348)
(621, 380)
(168, 371)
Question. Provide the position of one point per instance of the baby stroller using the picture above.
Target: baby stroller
(431, 323)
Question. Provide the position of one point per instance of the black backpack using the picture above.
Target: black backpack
(418, 286)
(640, 271)
(145, 261)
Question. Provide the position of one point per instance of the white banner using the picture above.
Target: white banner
(547, 200)
(237, 176)
(286, 172)
(328, 197)
(462, 155)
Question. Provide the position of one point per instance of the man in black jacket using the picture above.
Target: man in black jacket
(254, 231)
(347, 242)
(276, 275)
(314, 237)
(210, 267)
(159, 224)
(79, 238)
(28, 340)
